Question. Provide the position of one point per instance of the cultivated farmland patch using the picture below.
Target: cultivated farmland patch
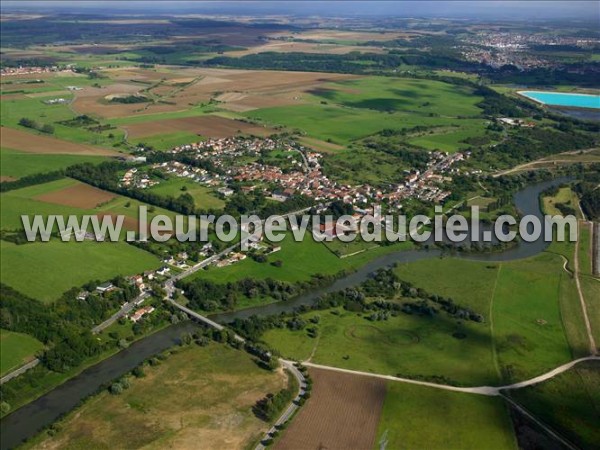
(342, 412)
(34, 143)
(79, 196)
(211, 126)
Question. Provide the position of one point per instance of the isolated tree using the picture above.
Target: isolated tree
(116, 389)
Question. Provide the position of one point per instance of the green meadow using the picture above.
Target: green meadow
(528, 329)
(418, 96)
(449, 140)
(204, 197)
(300, 261)
(348, 110)
(169, 140)
(404, 345)
(35, 109)
(423, 417)
(339, 124)
(16, 164)
(529, 306)
(532, 324)
(16, 349)
(32, 268)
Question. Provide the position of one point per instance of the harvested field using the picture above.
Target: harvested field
(6, 178)
(61, 93)
(306, 47)
(34, 143)
(319, 35)
(243, 102)
(129, 223)
(240, 90)
(79, 196)
(322, 146)
(342, 413)
(211, 126)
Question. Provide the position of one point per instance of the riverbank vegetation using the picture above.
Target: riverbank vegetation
(206, 395)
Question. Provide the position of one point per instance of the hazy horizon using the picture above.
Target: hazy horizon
(488, 10)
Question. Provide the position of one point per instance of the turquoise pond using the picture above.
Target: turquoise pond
(563, 99)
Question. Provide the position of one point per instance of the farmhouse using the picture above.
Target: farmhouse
(140, 313)
(105, 287)
(163, 271)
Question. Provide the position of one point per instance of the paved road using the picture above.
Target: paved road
(292, 408)
(125, 309)
(15, 373)
(481, 390)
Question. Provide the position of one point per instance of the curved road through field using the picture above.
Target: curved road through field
(481, 390)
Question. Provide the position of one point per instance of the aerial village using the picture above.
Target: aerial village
(302, 175)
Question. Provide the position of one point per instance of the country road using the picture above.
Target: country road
(532, 165)
(481, 390)
(125, 309)
(293, 406)
(586, 319)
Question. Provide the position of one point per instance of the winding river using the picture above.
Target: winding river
(27, 421)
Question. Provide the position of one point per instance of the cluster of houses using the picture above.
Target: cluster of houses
(28, 70)
(138, 314)
(314, 184)
(57, 101)
(427, 185)
(513, 122)
(307, 179)
(499, 48)
(137, 179)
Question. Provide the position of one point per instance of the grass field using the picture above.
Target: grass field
(405, 345)
(205, 399)
(532, 324)
(169, 140)
(348, 110)
(32, 268)
(402, 94)
(341, 125)
(204, 197)
(27, 201)
(35, 109)
(16, 349)
(569, 403)
(422, 417)
(301, 260)
(18, 164)
(565, 196)
(450, 140)
(528, 329)
(590, 285)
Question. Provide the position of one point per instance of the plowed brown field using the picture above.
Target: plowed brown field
(79, 196)
(35, 143)
(211, 126)
(342, 413)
